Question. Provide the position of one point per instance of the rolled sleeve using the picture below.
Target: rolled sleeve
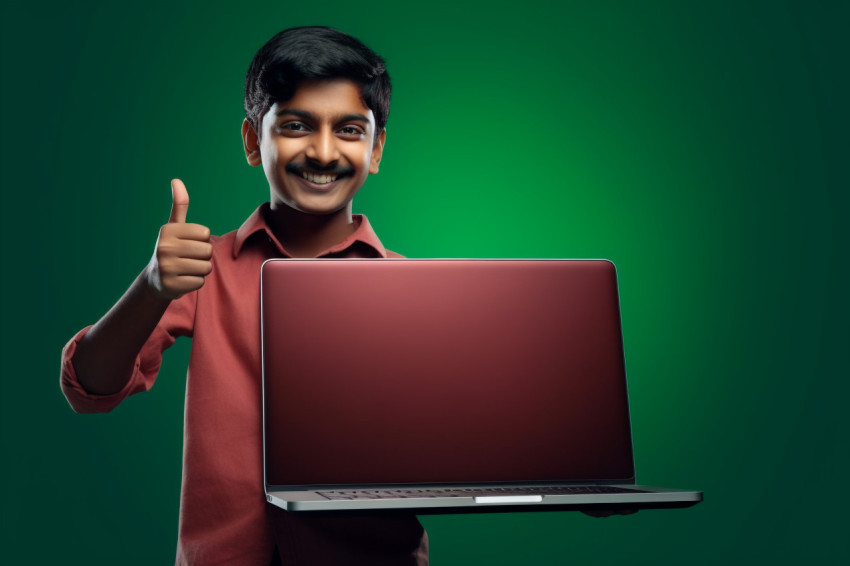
(177, 321)
(144, 374)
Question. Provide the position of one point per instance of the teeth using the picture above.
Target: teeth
(318, 179)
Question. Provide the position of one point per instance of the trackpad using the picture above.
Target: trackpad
(509, 499)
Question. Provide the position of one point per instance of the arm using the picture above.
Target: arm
(105, 356)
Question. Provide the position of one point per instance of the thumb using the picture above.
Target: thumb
(179, 201)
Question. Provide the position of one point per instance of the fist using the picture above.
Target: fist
(181, 259)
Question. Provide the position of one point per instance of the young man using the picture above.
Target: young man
(317, 103)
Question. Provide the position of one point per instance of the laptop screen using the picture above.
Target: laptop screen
(400, 372)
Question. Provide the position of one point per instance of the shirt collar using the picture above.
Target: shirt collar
(255, 223)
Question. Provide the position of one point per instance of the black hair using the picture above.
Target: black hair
(300, 54)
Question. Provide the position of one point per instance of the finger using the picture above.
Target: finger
(185, 267)
(179, 201)
(187, 231)
(193, 249)
(174, 270)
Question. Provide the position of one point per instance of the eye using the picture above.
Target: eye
(351, 132)
(292, 127)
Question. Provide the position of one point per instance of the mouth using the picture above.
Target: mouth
(318, 178)
(319, 175)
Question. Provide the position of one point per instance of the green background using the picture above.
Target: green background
(701, 146)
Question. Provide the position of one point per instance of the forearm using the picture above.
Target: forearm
(106, 355)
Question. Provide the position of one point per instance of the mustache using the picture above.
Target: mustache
(332, 169)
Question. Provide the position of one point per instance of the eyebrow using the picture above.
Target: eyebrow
(309, 115)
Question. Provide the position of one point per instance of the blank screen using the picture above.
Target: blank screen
(443, 371)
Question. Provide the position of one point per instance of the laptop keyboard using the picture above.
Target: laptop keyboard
(471, 492)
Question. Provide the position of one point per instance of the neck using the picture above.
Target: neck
(307, 235)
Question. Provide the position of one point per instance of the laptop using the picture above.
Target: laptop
(446, 386)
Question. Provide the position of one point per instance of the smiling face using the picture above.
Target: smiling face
(316, 148)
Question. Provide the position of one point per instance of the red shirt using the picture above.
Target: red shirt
(224, 518)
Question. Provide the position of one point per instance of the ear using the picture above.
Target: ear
(377, 152)
(251, 143)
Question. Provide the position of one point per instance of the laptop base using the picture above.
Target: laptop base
(644, 497)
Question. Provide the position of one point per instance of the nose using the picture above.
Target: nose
(322, 147)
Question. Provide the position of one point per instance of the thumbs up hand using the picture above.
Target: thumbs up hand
(183, 251)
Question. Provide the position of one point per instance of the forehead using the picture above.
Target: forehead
(325, 100)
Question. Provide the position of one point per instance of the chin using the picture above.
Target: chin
(317, 209)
